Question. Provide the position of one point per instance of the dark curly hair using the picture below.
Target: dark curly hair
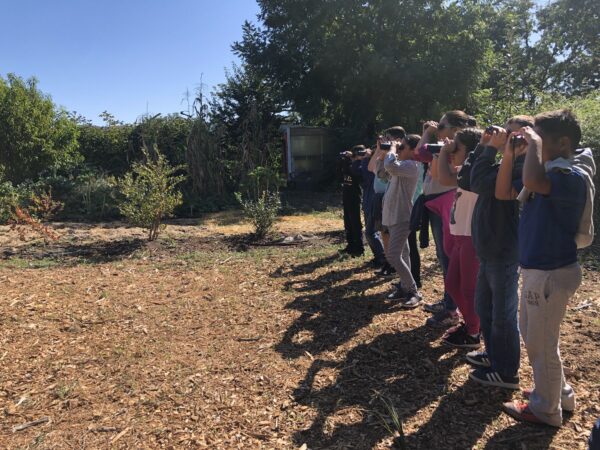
(469, 137)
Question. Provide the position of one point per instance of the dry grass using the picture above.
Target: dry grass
(193, 343)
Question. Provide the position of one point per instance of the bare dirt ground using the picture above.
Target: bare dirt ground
(204, 341)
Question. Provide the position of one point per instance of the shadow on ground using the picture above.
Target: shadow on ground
(333, 307)
(521, 436)
(94, 253)
(407, 369)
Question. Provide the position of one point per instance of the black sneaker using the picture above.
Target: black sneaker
(377, 263)
(488, 377)
(386, 271)
(435, 308)
(413, 299)
(458, 337)
(443, 319)
(479, 359)
(398, 294)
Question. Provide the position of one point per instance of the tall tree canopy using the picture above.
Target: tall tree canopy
(352, 63)
(367, 64)
(571, 32)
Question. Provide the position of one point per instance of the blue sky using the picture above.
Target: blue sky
(121, 56)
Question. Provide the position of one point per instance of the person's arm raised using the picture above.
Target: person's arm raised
(429, 130)
(396, 167)
(504, 189)
(534, 172)
(373, 161)
(445, 174)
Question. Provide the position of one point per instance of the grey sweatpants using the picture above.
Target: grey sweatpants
(398, 255)
(544, 298)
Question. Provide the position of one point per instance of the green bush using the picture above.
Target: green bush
(35, 135)
(261, 211)
(9, 199)
(96, 196)
(150, 192)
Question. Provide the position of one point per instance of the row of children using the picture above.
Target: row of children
(499, 202)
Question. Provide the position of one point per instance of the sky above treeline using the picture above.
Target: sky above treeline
(127, 57)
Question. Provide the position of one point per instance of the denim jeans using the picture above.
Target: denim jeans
(497, 303)
(438, 237)
(372, 236)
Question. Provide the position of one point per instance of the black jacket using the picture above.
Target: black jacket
(495, 222)
(350, 176)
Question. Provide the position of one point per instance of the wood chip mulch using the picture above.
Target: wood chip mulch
(194, 344)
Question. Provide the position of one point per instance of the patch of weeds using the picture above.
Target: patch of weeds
(329, 213)
(203, 259)
(63, 391)
(315, 252)
(391, 421)
(118, 351)
(21, 263)
(37, 441)
(169, 242)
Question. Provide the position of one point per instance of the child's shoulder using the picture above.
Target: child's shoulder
(570, 184)
(569, 178)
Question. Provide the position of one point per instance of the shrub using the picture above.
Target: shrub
(261, 211)
(150, 192)
(41, 209)
(9, 199)
(96, 196)
(35, 135)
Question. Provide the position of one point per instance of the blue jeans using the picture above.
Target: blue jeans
(373, 237)
(438, 237)
(497, 304)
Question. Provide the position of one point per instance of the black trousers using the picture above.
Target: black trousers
(415, 258)
(352, 222)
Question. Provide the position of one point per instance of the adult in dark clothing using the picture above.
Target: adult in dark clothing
(495, 236)
(351, 200)
(368, 199)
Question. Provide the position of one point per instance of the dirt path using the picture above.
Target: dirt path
(200, 342)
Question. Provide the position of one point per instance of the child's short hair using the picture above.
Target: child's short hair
(412, 140)
(560, 123)
(396, 132)
(522, 120)
(469, 137)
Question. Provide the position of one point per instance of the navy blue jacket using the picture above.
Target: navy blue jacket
(495, 222)
(367, 185)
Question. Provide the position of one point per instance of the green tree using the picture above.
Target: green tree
(106, 148)
(150, 192)
(35, 135)
(170, 133)
(245, 117)
(570, 31)
(363, 65)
